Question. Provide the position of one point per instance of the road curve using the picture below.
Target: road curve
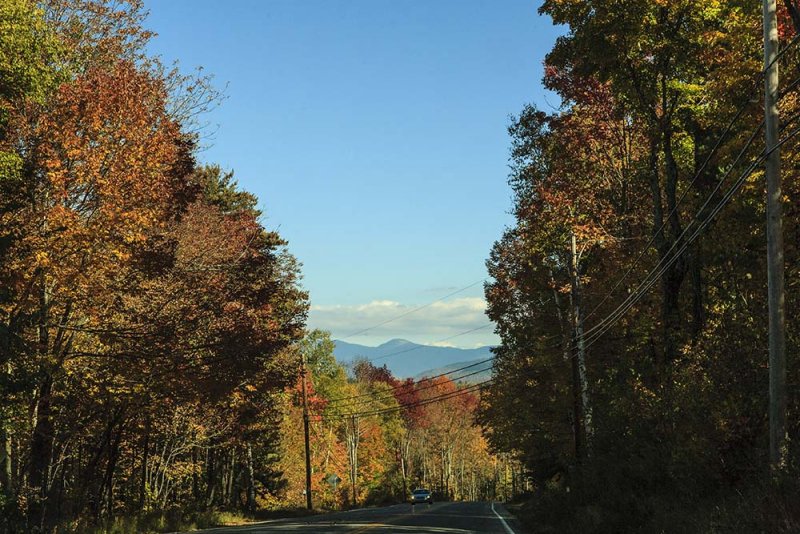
(438, 518)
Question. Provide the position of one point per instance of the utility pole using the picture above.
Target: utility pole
(775, 262)
(352, 451)
(579, 366)
(567, 342)
(305, 432)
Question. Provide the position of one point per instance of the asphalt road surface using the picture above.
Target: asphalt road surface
(438, 518)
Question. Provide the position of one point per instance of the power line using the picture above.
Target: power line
(438, 398)
(645, 285)
(697, 175)
(603, 326)
(414, 404)
(415, 388)
(417, 347)
(748, 144)
(652, 277)
(725, 200)
(401, 386)
(457, 393)
(409, 312)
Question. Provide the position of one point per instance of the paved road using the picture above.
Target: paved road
(439, 518)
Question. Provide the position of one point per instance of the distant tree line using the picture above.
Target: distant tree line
(380, 437)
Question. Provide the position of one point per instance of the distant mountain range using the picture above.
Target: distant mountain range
(411, 360)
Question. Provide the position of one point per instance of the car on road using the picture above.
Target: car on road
(421, 495)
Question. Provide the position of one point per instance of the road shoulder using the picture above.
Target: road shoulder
(510, 521)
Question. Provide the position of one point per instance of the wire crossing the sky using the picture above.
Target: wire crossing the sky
(668, 259)
(417, 347)
(452, 371)
(428, 383)
(654, 275)
(402, 386)
(403, 406)
(415, 310)
(738, 115)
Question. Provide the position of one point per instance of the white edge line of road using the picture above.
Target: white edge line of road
(500, 517)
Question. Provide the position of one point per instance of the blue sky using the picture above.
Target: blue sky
(374, 134)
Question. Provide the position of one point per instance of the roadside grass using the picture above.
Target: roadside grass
(176, 520)
(161, 522)
(758, 508)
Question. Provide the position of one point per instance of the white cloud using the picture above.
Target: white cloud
(429, 325)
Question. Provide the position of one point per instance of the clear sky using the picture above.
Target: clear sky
(374, 134)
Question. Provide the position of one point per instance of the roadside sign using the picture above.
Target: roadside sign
(333, 480)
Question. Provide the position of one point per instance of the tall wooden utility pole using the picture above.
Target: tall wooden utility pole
(775, 264)
(305, 432)
(352, 438)
(579, 363)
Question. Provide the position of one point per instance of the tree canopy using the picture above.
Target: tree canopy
(620, 261)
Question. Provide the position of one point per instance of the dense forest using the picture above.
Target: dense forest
(152, 329)
(146, 316)
(631, 293)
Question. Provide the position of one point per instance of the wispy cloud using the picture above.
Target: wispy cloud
(429, 325)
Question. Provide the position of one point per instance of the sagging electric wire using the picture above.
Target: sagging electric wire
(423, 402)
(738, 115)
(409, 312)
(653, 276)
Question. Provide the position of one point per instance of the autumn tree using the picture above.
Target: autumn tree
(147, 316)
(659, 119)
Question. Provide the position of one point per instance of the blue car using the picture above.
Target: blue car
(420, 496)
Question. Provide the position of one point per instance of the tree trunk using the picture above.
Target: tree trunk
(251, 486)
(580, 355)
(352, 452)
(113, 454)
(195, 480)
(42, 438)
(6, 474)
(145, 459)
(403, 468)
(211, 474)
(673, 277)
(441, 470)
(41, 450)
(566, 341)
(231, 470)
